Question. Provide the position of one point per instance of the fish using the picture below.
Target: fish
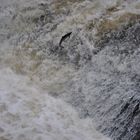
(64, 37)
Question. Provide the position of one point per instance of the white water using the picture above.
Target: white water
(27, 112)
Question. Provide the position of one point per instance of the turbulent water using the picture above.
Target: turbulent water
(87, 88)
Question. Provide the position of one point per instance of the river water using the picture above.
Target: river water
(73, 91)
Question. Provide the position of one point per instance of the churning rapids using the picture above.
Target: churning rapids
(87, 88)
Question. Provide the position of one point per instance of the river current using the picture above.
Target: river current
(85, 89)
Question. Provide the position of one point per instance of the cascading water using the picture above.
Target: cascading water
(50, 91)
